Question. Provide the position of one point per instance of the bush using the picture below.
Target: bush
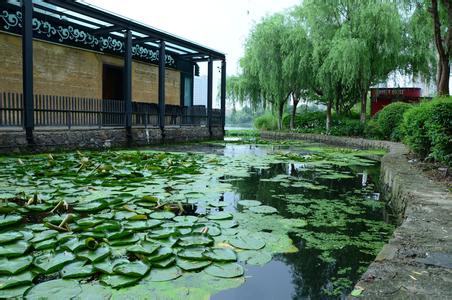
(389, 119)
(266, 122)
(372, 130)
(310, 122)
(348, 127)
(427, 129)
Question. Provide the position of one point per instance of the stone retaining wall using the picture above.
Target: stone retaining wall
(89, 138)
(417, 262)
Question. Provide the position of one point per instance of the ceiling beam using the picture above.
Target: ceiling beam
(105, 30)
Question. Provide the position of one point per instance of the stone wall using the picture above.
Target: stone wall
(417, 262)
(67, 71)
(64, 139)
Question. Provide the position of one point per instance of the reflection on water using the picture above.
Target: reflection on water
(305, 274)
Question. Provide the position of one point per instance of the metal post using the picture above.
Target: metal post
(223, 93)
(209, 94)
(27, 68)
(128, 84)
(162, 58)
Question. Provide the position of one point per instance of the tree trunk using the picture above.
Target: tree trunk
(294, 111)
(280, 115)
(443, 47)
(362, 116)
(328, 116)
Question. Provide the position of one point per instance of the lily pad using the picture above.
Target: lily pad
(9, 281)
(132, 239)
(220, 216)
(195, 240)
(135, 269)
(44, 235)
(90, 207)
(118, 281)
(162, 253)
(15, 292)
(164, 263)
(73, 245)
(14, 266)
(263, 209)
(16, 248)
(255, 258)
(227, 270)
(161, 233)
(7, 220)
(107, 265)
(247, 243)
(50, 263)
(95, 255)
(55, 290)
(221, 254)
(158, 275)
(77, 269)
(192, 265)
(192, 253)
(144, 247)
(7, 237)
(249, 203)
(162, 215)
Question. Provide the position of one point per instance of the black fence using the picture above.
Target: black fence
(59, 111)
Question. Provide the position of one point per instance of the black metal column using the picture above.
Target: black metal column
(209, 94)
(128, 85)
(27, 68)
(223, 93)
(162, 58)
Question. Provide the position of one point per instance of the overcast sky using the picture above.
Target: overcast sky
(219, 24)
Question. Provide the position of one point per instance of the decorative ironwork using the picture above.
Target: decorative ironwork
(69, 33)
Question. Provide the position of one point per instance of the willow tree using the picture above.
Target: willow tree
(263, 62)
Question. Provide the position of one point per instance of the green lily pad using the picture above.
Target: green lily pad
(107, 265)
(74, 245)
(186, 219)
(164, 263)
(118, 281)
(55, 290)
(7, 220)
(247, 243)
(135, 269)
(116, 235)
(218, 203)
(195, 240)
(50, 263)
(227, 223)
(219, 216)
(249, 203)
(227, 270)
(94, 291)
(9, 281)
(192, 265)
(192, 254)
(255, 258)
(77, 269)
(7, 237)
(144, 247)
(162, 253)
(158, 275)
(221, 254)
(212, 230)
(162, 215)
(15, 292)
(90, 207)
(107, 226)
(44, 235)
(95, 255)
(15, 248)
(14, 266)
(46, 244)
(263, 209)
(132, 239)
(88, 222)
(161, 233)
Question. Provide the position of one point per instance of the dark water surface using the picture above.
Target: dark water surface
(301, 275)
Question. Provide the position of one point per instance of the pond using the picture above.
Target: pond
(284, 220)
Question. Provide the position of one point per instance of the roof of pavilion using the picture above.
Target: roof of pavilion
(83, 25)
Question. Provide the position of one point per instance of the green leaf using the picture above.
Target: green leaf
(221, 254)
(255, 258)
(357, 291)
(192, 265)
(192, 253)
(46, 244)
(7, 237)
(219, 216)
(107, 265)
(90, 207)
(50, 263)
(73, 245)
(77, 269)
(55, 290)
(95, 255)
(158, 275)
(249, 203)
(162, 253)
(118, 281)
(14, 266)
(9, 281)
(132, 239)
(44, 235)
(135, 269)
(162, 215)
(227, 270)
(16, 248)
(161, 233)
(164, 263)
(16, 292)
(247, 243)
(145, 247)
(263, 209)
(7, 220)
(195, 240)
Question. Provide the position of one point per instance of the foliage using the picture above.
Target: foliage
(389, 119)
(266, 122)
(242, 133)
(240, 118)
(427, 129)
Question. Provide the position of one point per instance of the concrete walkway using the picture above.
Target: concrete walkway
(417, 262)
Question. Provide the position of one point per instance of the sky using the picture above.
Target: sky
(219, 24)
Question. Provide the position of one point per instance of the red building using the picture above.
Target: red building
(380, 97)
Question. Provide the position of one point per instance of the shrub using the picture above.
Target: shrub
(310, 122)
(427, 129)
(389, 119)
(372, 130)
(266, 122)
(348, 127)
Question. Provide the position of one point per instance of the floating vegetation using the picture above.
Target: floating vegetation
(132, 222)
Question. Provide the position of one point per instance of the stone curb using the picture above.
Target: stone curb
(417, 262)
